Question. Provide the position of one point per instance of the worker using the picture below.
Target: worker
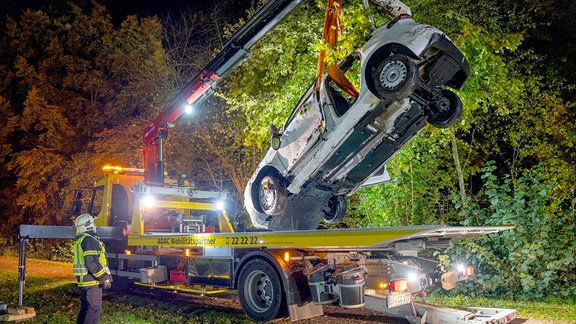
(90, 268)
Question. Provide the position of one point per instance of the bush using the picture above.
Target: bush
(50, 249)
(8, 246)
(533, 260)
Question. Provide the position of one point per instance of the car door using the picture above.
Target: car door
(302, 131)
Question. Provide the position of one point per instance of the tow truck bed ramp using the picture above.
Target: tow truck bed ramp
(338, 239)
(427, 313)
(425, 236)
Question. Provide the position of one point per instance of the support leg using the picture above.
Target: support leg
(21, 269)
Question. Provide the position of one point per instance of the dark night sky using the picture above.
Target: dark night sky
(118, 9)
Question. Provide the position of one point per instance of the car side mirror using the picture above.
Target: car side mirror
(275, 137)
(275, 142)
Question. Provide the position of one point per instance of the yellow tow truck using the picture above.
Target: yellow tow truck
(180, 238)
(171, 235)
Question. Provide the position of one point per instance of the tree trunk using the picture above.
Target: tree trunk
(458, 166)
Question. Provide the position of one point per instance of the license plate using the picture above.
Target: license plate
(397, 300)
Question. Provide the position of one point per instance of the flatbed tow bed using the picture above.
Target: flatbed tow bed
(435, 236)
(295, 271)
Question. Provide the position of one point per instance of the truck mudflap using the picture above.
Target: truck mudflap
(427, 313)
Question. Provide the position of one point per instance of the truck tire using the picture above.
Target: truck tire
(260, 291)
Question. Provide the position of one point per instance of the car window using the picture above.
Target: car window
(302, 131)
(305, 98)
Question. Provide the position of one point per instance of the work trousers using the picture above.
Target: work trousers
(90, 305)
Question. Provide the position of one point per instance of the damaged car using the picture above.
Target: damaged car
(331, 145)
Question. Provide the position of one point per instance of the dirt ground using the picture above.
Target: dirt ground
(39, 268)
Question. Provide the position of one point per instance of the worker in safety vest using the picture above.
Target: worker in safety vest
(90, 268)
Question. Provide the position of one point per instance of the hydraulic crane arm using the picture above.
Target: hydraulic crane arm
(234, 52)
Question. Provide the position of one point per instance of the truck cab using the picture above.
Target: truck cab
(122, 199)
(111, 202)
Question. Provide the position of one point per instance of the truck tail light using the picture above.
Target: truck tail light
(399, 285)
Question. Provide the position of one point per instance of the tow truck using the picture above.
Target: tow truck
(168, 234)
(180, 239)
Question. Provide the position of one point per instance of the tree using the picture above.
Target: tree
(510, 115)
(68, 79)
(266, 87)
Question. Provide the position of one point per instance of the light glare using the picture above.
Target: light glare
(188, 109)
(148, 201)
(460, 268)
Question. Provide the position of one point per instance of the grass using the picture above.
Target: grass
(56, 301)
(552, 309)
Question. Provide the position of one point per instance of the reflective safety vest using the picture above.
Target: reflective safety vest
(80, 270)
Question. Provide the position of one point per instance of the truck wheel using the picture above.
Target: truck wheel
(272, 194)
(260, 291)
(335, 209)
(395, 77)
(446, 111)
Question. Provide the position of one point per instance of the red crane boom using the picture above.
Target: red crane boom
(233, 53)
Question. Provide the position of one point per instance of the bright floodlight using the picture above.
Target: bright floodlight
(220, 205)
(412, 276)
(188, 109)
(460, 268)
(148, 201)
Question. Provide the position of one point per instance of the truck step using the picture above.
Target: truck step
(195, 289)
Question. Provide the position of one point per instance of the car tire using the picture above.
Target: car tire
(334, 210)
(395, 77)
(272, 195)
(445, 111)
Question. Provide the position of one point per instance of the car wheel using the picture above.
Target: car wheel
(272, 194)
(335, 209)
(395, 77)
(445, 111)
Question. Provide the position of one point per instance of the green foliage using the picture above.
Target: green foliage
(71, 80)
(415, 194)
(358, 30)
(50, 249)
(8, 246)
(266, 87)
(520, 262)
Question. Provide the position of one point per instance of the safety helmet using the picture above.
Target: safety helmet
(84, 223)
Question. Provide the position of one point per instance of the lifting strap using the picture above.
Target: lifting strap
(332, 28)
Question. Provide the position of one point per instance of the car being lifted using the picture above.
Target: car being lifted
(331, 146)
